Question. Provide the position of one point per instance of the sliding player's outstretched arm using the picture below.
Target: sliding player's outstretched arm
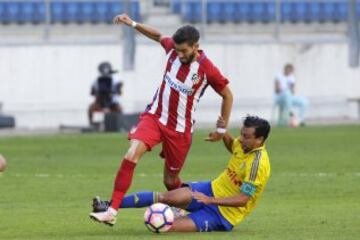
(142, 28)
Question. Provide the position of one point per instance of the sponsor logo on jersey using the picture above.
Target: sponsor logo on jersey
(178, 86)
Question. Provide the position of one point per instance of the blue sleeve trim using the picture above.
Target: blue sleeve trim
(248, 188)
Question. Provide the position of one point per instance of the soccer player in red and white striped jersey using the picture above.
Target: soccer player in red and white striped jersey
(168, 119)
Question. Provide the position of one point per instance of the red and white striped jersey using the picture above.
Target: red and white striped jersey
(182, 87)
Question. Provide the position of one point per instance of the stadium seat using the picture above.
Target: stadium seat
(214, 12)
(72, 12)
(191, 11)
(312, 12)
(27, 12)
(242, 10)
(326, 11)
(40, 12)
(12, 12)
(57, 9)
(342, 11)
(2, 12)
(228, 11)
(117, 7)
(175, 6)
(87, 10)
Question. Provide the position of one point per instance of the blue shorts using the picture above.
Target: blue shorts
(207, 218)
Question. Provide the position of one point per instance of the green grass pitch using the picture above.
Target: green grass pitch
(313, 193)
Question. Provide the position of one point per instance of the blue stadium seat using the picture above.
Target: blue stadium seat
(175, 6)
(327, 10)
(213, 11)
(242, 10)
(301, 11)
(101, 11)
(12, 13)
(87, 12)
(40, 12)
(269, 13)
(257, 13)
(191, 11)
(342, 11)
(57, 12)
(72, 12)
(313, 12)
(2, 12)
(136, 10)
(116, 8)
(27, 12)
(228, 11)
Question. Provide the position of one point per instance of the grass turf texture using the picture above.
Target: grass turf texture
(313, 192)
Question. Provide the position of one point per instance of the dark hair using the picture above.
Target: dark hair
(188, 34)
(262, 126)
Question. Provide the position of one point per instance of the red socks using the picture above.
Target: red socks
(122, 182)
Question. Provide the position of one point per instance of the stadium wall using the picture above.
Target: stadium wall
(49, 85)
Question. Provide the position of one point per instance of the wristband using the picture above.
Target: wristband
(134, 24)
(221, 130)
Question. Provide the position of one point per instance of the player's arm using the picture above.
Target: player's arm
(142, 28)
(226, 105)
(227, 138)
(234, 201)
(228, 141)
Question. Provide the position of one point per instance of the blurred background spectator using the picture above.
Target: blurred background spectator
(106, 90)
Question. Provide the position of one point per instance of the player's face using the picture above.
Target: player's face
(289, 70)
(186, 53)
(248, 139)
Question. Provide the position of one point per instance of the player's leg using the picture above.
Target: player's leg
(122, 182)
(180, 198)
(143, 138)
(183, 224)
(206, 219)
(202, 217)
(175, 149)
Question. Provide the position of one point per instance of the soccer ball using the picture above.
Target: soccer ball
(158, 218)
(2, 163)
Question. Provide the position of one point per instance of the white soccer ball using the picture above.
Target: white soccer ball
(2, 163)
(158, 218)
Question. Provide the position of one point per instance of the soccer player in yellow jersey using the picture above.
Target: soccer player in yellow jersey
(222, 203)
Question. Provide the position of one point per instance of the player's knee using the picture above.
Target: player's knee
(165, 198)
(134, 152)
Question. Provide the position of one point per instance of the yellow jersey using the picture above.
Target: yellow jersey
(245, 172)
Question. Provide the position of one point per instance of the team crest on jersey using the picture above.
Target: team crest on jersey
(195, 78)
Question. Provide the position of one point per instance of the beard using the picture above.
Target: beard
(189, 59)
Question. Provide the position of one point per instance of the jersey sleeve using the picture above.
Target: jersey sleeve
(216, 80)
(167, 43)
(254, 175)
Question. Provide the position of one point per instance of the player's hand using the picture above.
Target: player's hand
(122, 19)
(214, 137)
(200, 197)
(220, 123)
